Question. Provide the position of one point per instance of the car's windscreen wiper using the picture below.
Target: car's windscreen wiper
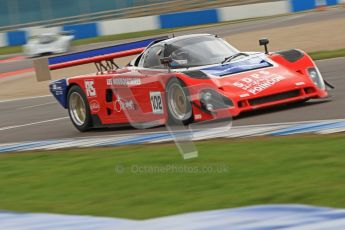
(232, 57)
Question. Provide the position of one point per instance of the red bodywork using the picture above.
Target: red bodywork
(127, 95)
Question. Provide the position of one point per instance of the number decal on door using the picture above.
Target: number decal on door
(156, 102)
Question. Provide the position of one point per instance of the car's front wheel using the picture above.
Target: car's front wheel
(179, 105)
(79, 109)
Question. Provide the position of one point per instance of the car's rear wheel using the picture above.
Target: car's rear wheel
(179, 105)
(79, 109)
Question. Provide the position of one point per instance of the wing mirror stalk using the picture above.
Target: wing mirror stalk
(166, 61)
(264, 42)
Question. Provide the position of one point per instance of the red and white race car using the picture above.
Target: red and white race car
(183, 79)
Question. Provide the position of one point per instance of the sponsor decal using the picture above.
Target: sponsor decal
(94, 106)
(300, 83)
(197, 116)
(258, 82)
(124, 81)
(122, 104)
(156, 102)
(90, 88)
(57, 89)
(239, 66)
(244, 95)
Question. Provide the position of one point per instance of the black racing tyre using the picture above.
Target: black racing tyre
(79, 109)
(178, 103)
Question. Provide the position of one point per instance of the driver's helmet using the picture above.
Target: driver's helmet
(180, 55)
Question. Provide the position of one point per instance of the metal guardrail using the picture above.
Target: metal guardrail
(137, 11)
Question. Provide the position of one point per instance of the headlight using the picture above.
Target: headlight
(316, 77)
(206, 96)
(209, 107)
(211, 100)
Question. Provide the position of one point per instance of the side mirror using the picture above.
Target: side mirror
(264, 42)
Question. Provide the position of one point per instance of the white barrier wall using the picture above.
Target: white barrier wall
(128, 25)
(3, 40)
(172, 20)
(253, 10)
(34, 31)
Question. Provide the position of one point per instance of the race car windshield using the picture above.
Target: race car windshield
(199, 51)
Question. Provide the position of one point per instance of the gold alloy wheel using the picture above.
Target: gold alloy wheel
(77, 108)
(178, 102)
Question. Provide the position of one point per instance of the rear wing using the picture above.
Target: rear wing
(43, 66)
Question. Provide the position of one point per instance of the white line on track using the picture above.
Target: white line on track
(43, 104)
(31, 124)
(330, 59)
(25, 98)
(104, 135)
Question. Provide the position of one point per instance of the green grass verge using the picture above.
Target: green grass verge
(139, 34)
(18, 49)
(106, 182)
(10, 50)
(117, 37)
(320, 55)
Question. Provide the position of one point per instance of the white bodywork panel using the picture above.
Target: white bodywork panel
(48, 43)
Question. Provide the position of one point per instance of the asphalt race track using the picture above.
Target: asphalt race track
(43, 118)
